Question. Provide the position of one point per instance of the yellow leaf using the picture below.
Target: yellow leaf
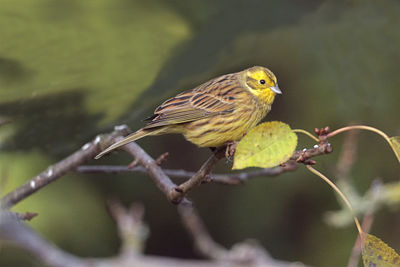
(395, 142)
(378, 254)
(267, 145)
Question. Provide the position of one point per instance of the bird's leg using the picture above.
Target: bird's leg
(230, 149)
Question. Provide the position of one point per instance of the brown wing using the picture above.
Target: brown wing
(205, 101)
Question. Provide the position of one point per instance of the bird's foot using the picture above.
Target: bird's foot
(230, 149)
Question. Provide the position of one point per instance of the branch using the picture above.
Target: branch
(192, 221)
(87, 152)
(129, 225)
(131, 229)
(229, 178)
(248, 253)
(162, 181)
(179, 192)
(174, 193)
(12, 230)
(26, 216)
(303, 156)
(202, 239)
(129, 222)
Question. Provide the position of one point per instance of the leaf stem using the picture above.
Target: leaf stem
(361, 127)
(306, 133)
(368, 128)
(346, 201)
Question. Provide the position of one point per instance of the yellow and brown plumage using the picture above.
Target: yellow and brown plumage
(214, 113)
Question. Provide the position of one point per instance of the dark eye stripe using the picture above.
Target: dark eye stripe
(250, 81)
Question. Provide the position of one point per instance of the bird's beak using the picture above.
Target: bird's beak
(276, 89)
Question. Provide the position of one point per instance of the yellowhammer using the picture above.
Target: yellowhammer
(214, 113)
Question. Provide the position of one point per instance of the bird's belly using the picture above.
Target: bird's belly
(216, 131)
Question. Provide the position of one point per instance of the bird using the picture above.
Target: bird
(214, 113)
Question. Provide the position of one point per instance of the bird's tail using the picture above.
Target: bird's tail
(130, 138)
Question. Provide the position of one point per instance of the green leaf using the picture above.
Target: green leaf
(395, 142)
(377, 253)
(267, 145)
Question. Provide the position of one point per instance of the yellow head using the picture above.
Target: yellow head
(262, 83)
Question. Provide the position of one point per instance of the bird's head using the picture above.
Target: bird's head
(262, 83)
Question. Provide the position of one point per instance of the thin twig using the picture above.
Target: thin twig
(343, 197)
(162, 158)
(131, 228)
(366, 225)
(162, 181)
(357, 248)
(227, 178)
(372, 129)
(14, 232)
(244, 253)
(180, 191)
(202, 239)
(358, 127)
(347, 155)
(306, 133)
(305, 154)
(27, 216)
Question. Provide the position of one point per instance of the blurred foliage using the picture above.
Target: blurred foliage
(71, 69)
(58, 46)
(375, 198)
(71, 197)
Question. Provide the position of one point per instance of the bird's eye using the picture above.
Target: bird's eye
(262, 81)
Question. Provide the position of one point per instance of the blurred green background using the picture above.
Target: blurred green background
(71, 69)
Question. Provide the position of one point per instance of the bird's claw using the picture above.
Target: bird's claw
(230, 149)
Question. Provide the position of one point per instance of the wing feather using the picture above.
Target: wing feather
(202, 102)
